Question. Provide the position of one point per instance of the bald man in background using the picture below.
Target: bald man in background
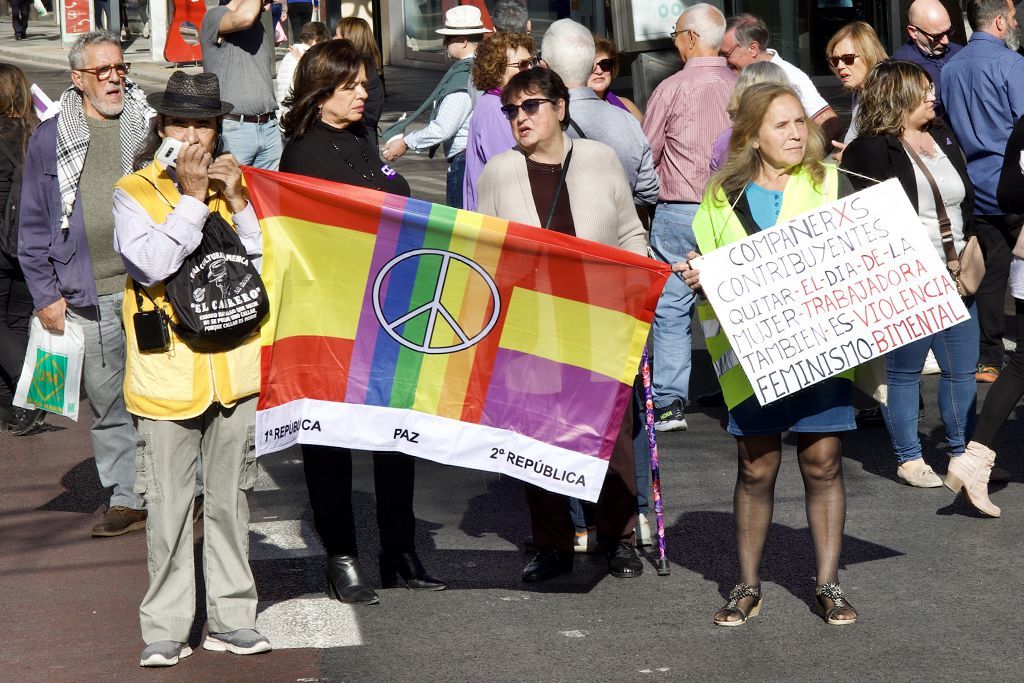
(929, 28)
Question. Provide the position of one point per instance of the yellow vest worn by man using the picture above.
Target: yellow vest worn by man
(178, 383)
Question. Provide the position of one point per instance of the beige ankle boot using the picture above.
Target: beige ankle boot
(970, 472)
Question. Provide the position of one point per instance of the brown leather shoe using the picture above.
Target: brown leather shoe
(120, 520)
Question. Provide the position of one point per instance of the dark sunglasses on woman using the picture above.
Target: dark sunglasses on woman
(529, 107)
(847, 59)
(604, 65)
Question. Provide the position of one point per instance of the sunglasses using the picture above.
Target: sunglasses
(102, 73)
(524, 64)
(530, 107)
(605, 65)
(847, 59)
(933, 37)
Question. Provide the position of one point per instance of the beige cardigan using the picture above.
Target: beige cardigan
(600, 200)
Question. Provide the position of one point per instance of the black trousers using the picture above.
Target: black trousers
(299, 14)
(19, 16)
(15, 313)
(329, 482)
(616, 509)
(997, 237)
(1003, 396)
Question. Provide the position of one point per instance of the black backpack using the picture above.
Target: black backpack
(217, 294)
(11, 208)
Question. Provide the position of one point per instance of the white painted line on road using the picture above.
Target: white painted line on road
(309, 622)
(283, 539)
(573, 634)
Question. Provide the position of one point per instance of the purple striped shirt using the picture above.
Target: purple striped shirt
(685, 115)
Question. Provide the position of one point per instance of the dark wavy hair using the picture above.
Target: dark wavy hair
(538, 80)
(491, 59)
(893, 89)
(324, 67)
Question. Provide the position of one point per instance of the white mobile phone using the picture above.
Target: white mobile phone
(167, 153)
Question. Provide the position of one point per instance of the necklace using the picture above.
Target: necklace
(922, 143)
(369, 167)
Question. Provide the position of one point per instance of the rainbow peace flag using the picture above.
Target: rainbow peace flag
(400, 325)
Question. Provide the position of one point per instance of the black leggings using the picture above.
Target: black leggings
(15, 313)
(1004, 394)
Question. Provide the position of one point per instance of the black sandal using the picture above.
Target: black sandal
(739, 592)
(834, 592)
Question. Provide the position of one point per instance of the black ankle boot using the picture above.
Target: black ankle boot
(345, 583)
(410, 568)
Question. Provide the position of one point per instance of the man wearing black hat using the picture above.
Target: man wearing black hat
(189, 401)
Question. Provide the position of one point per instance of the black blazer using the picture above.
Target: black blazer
(882, 157)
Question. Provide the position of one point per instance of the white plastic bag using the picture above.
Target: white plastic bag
(40, 8)
(51, 377)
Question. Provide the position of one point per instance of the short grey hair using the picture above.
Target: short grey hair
(981, 13)
(749, 29)
(568, 49)
(509, 16)
(77, 58)
(707, 21)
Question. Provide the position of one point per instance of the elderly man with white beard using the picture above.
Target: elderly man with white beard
(65, 246)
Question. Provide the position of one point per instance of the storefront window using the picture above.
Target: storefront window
(422, 19)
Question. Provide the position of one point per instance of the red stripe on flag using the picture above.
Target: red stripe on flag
(314, 200)
(304, 367)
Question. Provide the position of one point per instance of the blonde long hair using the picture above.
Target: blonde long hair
(361, 35)
(744, 162)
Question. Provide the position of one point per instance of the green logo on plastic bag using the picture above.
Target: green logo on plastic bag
(47, 389)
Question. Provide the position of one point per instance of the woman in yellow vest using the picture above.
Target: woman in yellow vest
(188, 402)
(774, 172)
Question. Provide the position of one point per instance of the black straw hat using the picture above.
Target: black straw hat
(194, 97)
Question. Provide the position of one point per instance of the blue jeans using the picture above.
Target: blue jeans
(672, 238)
(253, 144)
(113, 434)
(956, 351)
(456, 174)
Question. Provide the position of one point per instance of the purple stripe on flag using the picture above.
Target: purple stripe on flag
(385, 245)
(559, 404)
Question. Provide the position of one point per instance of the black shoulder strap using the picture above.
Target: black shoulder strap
(576, 128)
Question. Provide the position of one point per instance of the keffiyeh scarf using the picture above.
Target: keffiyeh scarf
(73, 138)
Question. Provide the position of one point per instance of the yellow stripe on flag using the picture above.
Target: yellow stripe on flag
(574, 333)
(323, 269)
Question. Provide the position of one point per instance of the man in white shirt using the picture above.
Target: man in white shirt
(746, 41)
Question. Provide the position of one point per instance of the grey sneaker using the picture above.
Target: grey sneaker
(670, 418)
(244, 641)
(164, 653)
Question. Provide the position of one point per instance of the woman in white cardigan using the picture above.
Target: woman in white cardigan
(595, 193)
(575, 187)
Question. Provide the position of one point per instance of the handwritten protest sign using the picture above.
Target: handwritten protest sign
(828, 290)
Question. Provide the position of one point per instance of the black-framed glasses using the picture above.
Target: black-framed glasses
(933, 38)
(847, 59)
(102, 73)
(530, 107)
(605, 65)
(524, 64)
(675, 33)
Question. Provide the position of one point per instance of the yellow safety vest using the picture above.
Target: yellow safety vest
(717, 225)
(179, 383)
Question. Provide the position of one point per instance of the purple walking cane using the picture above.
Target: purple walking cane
(661, 564)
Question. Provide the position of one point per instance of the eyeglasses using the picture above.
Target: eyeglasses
(728, 53)
(847, 59)
(530, 107)
(605, 65)
(934, 38)
(102, 73)
(524, 64)
(674, 33)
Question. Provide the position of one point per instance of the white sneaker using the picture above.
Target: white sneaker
(643, 531)
(585, 540)
(918, 473)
